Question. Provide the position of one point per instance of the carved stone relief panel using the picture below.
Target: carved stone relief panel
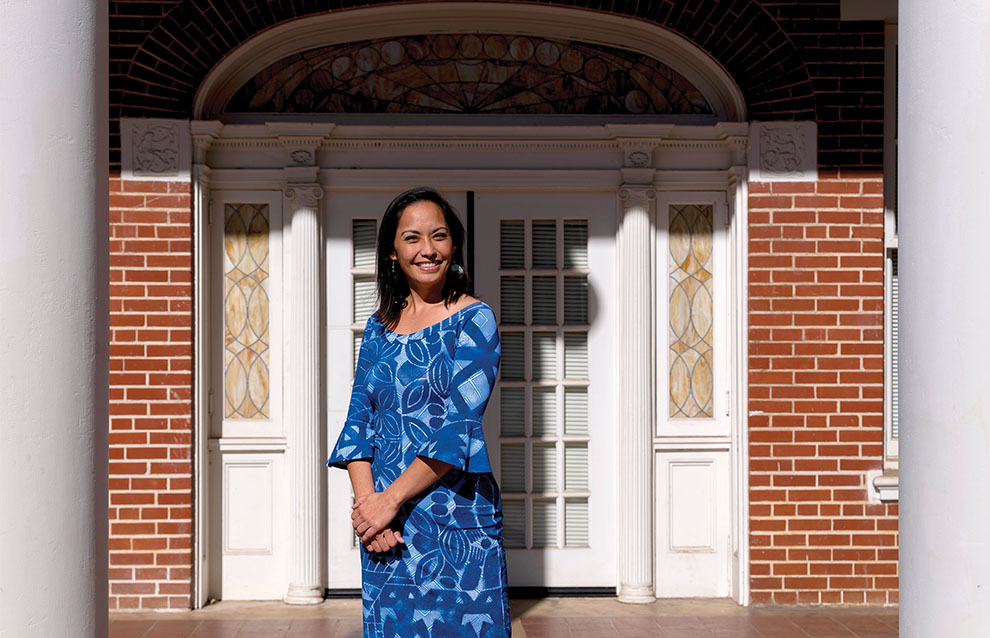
(156, 149)
(783, 151)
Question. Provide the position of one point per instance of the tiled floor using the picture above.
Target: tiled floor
(547, 618)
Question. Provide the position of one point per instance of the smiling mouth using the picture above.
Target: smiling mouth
(428, 266)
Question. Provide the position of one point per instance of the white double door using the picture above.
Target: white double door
(544, 262)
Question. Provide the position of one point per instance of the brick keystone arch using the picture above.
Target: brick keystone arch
(195, 35)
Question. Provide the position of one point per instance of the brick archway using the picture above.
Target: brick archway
(194, 36)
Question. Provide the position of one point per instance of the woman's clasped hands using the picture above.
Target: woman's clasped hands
(371, 515)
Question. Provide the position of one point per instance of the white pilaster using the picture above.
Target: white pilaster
(303, 394)
(635, 387)
(54, 309)
(202, 136)
(944, 73)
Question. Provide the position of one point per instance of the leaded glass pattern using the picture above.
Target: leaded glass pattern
(544, 435)
(246, 318)
(691, 313)
(469, 73)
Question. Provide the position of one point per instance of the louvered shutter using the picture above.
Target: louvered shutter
(513, 412)
(544, 524)
(363, 237)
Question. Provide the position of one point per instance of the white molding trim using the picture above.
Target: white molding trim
(883, 487)
(738, 196)
(202, 369)
(354, 25)
(249, 444)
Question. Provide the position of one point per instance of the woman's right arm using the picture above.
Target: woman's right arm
(363, 484)
(361, 480)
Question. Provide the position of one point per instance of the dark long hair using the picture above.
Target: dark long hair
(392, 285)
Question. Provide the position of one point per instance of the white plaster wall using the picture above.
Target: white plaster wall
(944, 103)
(53, 318)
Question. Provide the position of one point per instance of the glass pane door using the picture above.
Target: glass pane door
(544, 263)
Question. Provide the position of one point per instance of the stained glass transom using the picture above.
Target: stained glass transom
(469, 73)
(691, 312)
(246, 312)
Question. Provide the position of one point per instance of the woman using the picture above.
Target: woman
(427, 508)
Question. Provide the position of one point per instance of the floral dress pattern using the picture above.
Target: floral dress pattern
(424, 394)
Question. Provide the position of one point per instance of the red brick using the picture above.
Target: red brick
(809, 582)
(838, 188)
(861, 202)
(793, 246)
(131, 558)
(815, 201)
(770, 201)
(848, 582)
(794, 217)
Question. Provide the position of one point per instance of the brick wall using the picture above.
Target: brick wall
(816, 393)
(150, 395)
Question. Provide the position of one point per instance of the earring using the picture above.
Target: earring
(457, 269)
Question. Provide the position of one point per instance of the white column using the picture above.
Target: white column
(302, 394)
(944, 228)
(54, 270)
(635, 392)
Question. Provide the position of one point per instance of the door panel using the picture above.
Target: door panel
(544, 263)
(693, 526)
(246, 440)
(693, 425)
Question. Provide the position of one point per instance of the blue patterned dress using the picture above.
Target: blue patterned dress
(423, 394)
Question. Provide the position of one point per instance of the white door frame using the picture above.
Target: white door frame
(570, 158)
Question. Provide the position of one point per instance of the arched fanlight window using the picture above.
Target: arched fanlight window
(470, 73)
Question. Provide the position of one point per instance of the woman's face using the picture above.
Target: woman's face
(423, 247)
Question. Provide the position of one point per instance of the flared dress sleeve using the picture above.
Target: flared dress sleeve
(355, 440)
(460, 440)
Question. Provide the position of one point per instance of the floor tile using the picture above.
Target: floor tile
(214, 628)
(543, 618)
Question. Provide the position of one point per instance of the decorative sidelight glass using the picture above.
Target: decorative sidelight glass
(246, 315)
(691, 314)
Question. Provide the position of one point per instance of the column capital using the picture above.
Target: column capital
(307, 195)
(637, 194)
(203, 133)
